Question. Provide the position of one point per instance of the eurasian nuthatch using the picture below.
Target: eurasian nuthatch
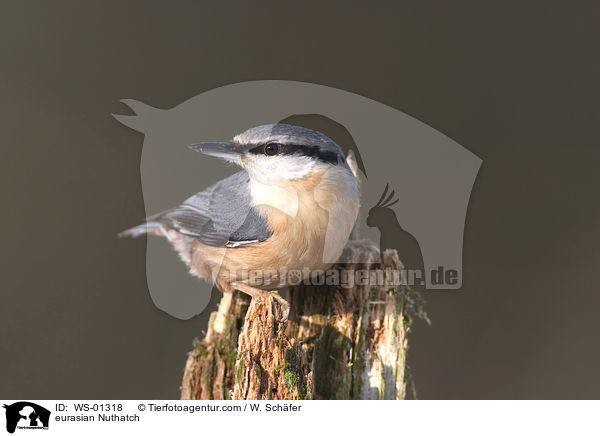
(291, 208)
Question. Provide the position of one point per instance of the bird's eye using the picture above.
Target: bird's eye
(272, 148)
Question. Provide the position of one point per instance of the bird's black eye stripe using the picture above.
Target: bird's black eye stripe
(275, 148)
(269, 149)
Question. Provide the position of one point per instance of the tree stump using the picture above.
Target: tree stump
(339, 342)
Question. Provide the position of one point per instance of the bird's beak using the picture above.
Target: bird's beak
(224, 150)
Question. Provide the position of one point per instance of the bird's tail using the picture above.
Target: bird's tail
(149, 227)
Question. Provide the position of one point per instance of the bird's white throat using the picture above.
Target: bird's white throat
(282, 198)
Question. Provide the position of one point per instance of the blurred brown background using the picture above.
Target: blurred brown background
(514, 82)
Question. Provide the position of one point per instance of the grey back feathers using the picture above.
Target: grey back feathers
(220, 216)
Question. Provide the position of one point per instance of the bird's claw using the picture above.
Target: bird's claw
(255, 292)
(285, 305)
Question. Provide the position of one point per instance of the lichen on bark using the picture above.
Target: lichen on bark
(339, 343)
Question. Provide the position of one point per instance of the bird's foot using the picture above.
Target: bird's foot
(255, 292)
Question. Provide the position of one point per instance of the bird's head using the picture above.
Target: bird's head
(276, 153)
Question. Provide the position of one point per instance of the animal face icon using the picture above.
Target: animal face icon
(26, 414)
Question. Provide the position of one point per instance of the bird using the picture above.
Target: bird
(394, 236)
(290, 210)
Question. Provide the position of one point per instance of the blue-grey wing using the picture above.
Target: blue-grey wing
(220, 216)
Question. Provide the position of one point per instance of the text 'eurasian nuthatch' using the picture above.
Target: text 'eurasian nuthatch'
(291, 208)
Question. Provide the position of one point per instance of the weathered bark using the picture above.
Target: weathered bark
(210, 369)
(339, 343)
